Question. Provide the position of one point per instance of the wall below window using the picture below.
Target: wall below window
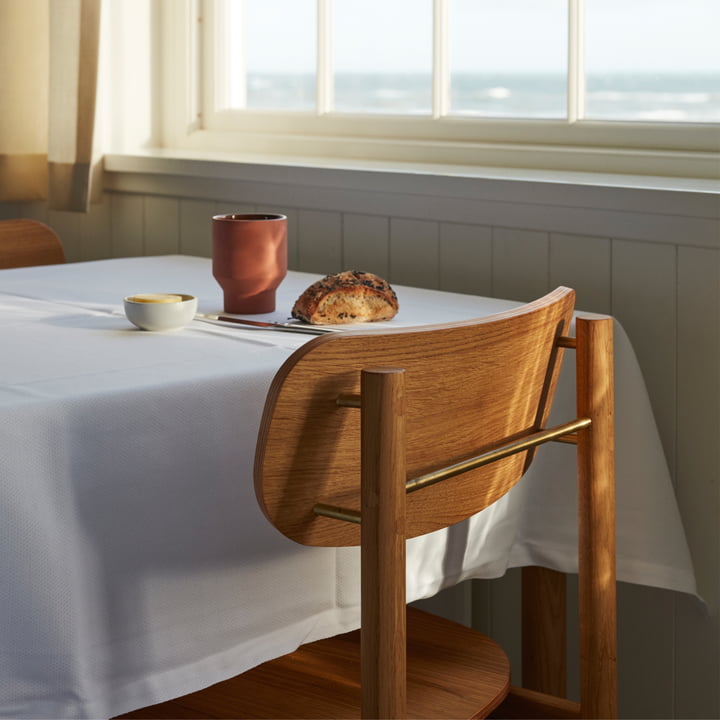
(648, 255)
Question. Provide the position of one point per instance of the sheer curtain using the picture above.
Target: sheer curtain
(48, 87)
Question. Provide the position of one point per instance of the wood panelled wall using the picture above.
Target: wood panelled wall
(649, 257)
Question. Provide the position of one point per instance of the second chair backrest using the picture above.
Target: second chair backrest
(447, 423)
(24, 243)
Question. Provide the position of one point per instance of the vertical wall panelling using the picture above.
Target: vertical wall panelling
(8, 211)
(319, 241)
(699, 409)
(466, 258)
(222, 207)
(196, 227)
(162, 226)
(520, 263)
(35, 210)
(96, 240)
(414, 252)
(67, 226)
(646, 667)
(582, 263)
(697, 661)
(127, 226)
(366, 243)
(698, 471)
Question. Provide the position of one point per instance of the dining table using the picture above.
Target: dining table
(136, 563)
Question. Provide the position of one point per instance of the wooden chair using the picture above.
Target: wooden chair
(412, 431)
(28, 242)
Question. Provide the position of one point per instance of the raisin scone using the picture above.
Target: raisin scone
(347, 297)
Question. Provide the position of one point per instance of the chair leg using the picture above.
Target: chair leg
(383, 633)
(596, 505)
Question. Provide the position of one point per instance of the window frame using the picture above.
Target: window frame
(190, 52)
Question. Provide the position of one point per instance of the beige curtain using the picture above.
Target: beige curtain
(48, 86)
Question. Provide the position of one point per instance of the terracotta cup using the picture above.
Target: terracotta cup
(249, 260)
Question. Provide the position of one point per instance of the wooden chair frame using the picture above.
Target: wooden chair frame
(384, 487)
(309, 485)
(544, 661)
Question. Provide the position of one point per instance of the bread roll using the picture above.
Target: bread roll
(348, 297)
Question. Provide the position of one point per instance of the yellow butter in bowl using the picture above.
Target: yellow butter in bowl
(157, 298)
(159, 312)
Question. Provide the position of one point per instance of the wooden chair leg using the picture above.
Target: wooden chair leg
(596, 505)
(382, 567)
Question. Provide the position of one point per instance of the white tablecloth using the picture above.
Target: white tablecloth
(135, 563)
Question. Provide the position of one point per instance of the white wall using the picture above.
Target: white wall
(649, 257)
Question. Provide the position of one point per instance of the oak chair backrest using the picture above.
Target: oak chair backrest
(469, 387)
(416, 429)
(24, 243)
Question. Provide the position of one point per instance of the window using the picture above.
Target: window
(655, 61)
(607, 85)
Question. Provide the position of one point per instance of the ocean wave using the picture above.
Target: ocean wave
(498, 93)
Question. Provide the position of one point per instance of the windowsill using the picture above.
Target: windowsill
(371, 174)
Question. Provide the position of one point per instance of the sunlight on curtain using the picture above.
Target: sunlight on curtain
(24, 77)
(48, 87)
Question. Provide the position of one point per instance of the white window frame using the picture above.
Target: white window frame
(191, 52)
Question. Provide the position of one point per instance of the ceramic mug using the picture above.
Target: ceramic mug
(249, 260)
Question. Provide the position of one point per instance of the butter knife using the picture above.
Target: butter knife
(285, 327)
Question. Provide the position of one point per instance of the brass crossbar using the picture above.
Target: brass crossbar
(555, 433)
(337, 513)
(530, 441)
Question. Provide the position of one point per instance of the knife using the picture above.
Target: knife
(286, 327)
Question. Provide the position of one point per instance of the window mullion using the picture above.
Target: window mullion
(441, 69)
(224, 56)
(180, 48)
(576, 61)
(324, 72)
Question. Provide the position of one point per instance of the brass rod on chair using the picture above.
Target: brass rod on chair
(348, 400)
(493, 455)
(337, 513)
(559, 433)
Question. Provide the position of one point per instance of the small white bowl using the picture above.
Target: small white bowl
(160, 312)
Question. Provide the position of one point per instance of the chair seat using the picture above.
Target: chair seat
(322, 679)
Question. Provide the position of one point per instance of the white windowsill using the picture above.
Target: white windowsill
(365, 174)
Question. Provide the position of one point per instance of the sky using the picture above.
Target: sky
(499, 35)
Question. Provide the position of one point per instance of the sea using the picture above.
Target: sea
(676, 97)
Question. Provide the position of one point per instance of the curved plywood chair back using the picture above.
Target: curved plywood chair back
(24, 243)
(469, 387)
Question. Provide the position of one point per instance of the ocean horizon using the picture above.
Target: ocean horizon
(670, 97)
